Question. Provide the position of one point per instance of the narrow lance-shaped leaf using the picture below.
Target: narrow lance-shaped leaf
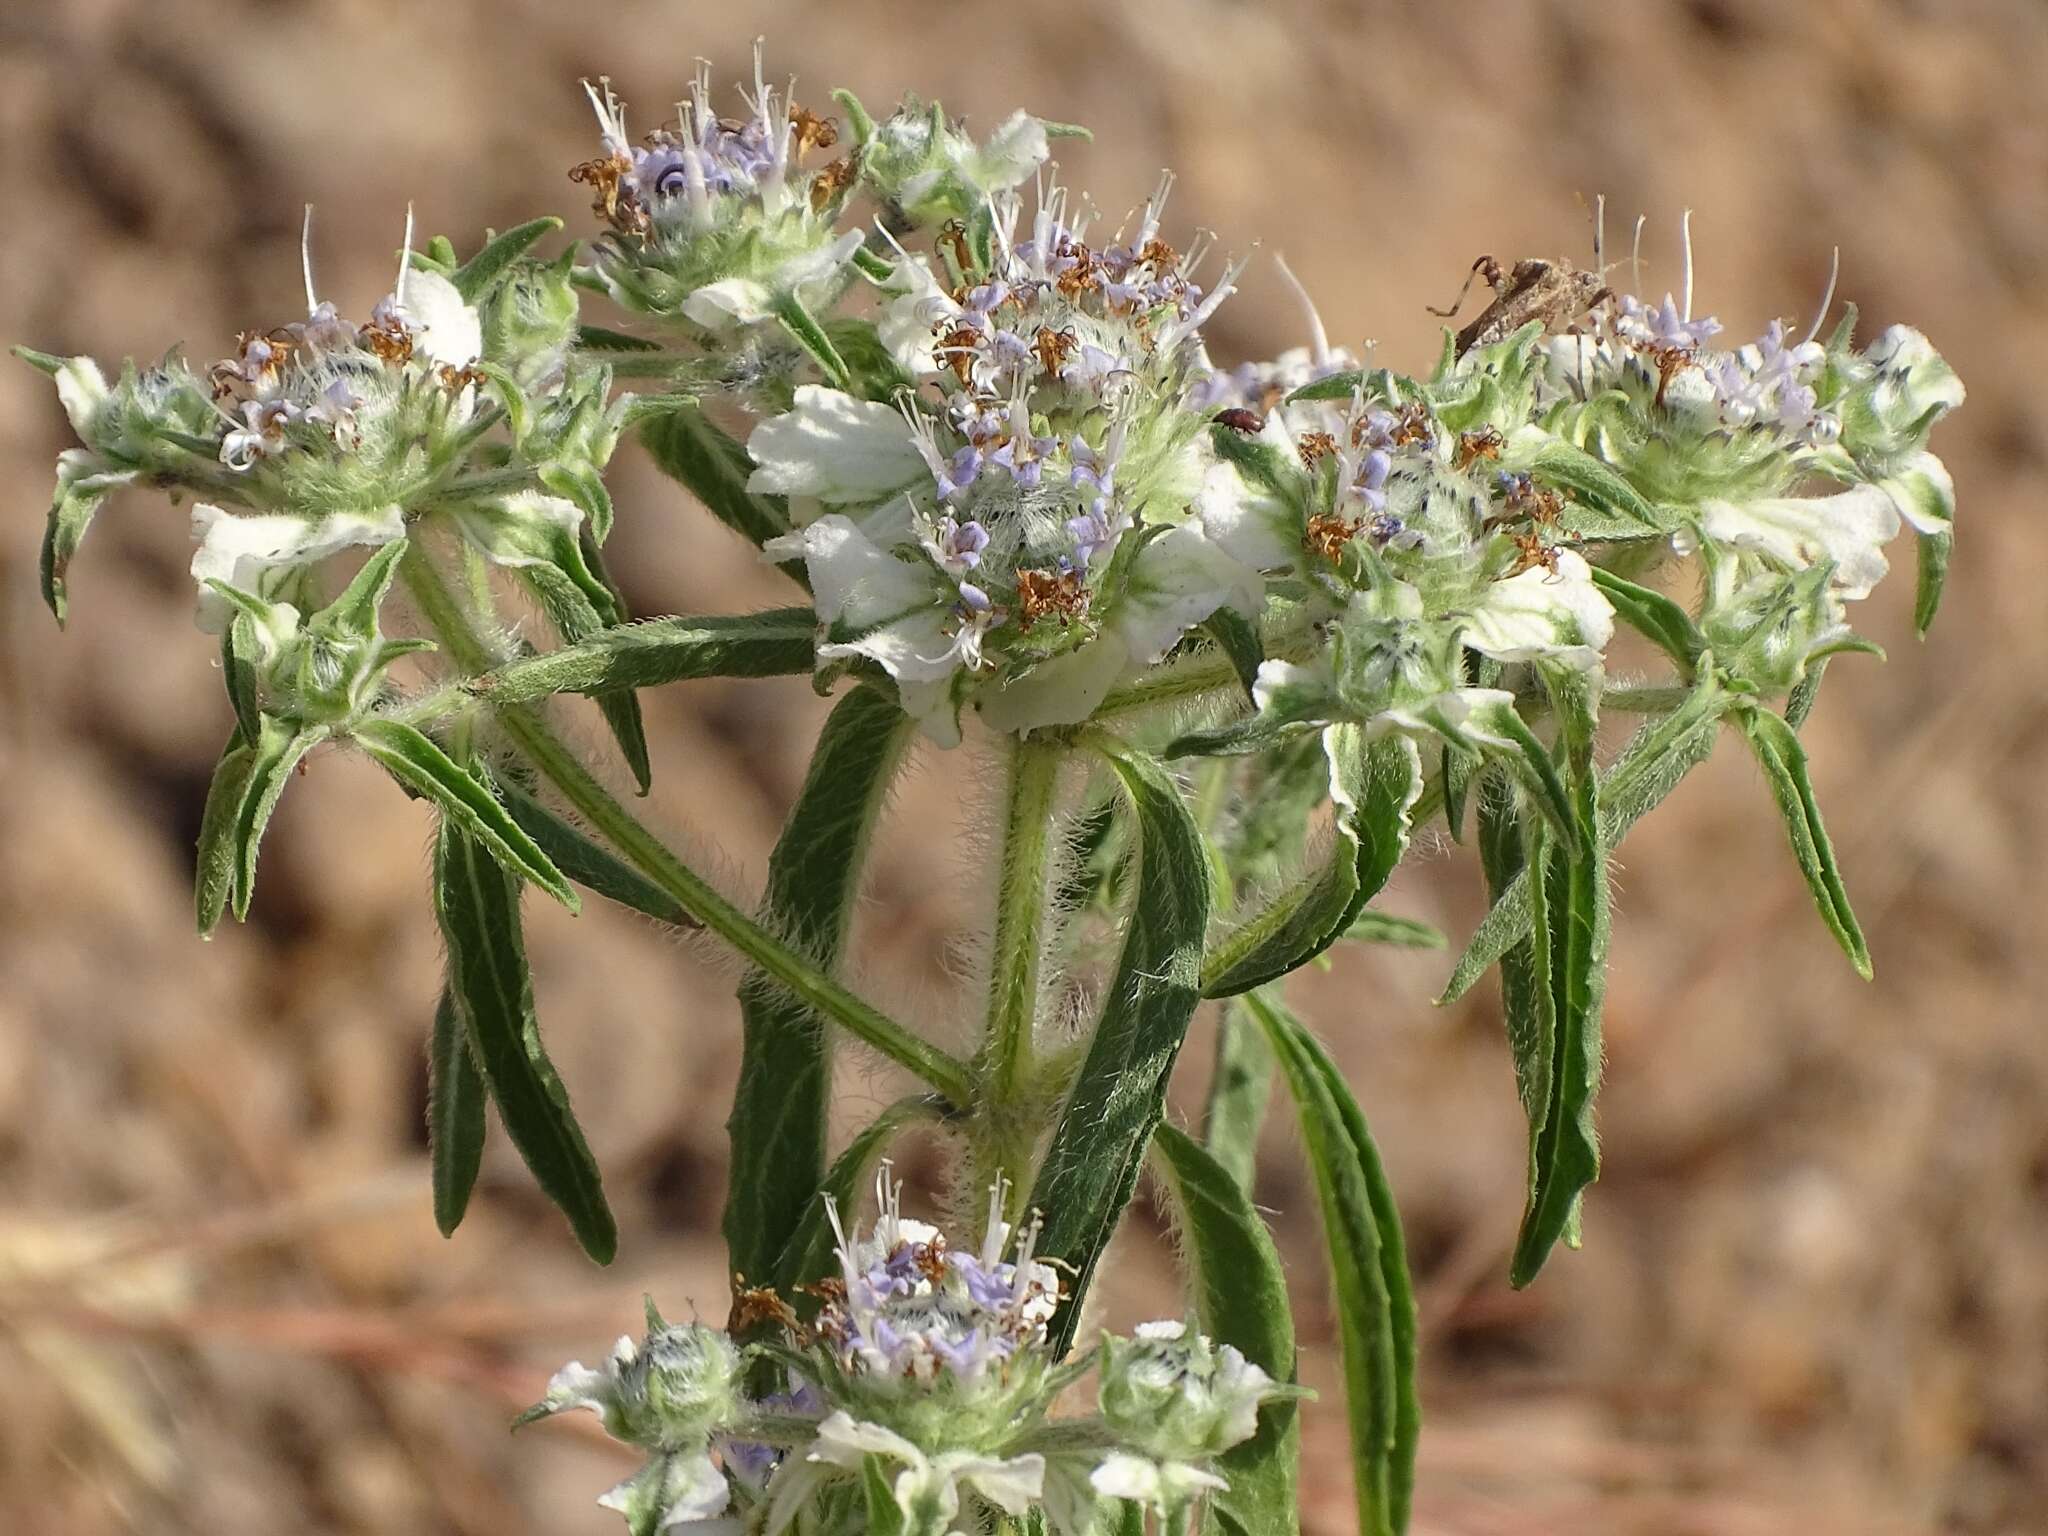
(476, 277)
(1238, 1094)
(455, 1114)
(1240, 1296)
(1389, 928)
(778, 1121)
(214, 877)
(477, 902)
(1934, 552)
(412, 759)
(589, 863)
(1238, 638)
(1373, 785)
(279, 748)
(1783, 761)
(71, 514)
(777, 643)
(1656, 617)
(1375, 1304)
(1568, 943)
(1098, 1144)
(1651, 766)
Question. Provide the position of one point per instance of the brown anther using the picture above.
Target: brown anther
(959, 347)
(930, 1259)
(1159, 254)
(1531, 551)
(953, 234)
(1412, 426)
(1539, 504)
(390, 339)
(1059, 593)
(1314, 447)
(454, 380)
(812, 131)
(831, 180)
(1326, 535)
(1082, 276)
(1053, 348)
(755, 1305)
(1486, 443)
(1670, 361)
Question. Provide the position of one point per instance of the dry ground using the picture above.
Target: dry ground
(1814, 1296)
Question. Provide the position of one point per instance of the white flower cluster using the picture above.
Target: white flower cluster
(925, 1379)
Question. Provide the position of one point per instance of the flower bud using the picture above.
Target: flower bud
(1174, 1395)
(671, 1392)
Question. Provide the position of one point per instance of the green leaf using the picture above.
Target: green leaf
(1568, 951)
(691, 450)
(1371, 927)
(476, 276)
(777, 643)
(1656, 617)
(409, 757)
(884, 1514)
(238, 643)
(807, 1256)
(875, 373)
(477, 902)
(1337, 386)
(455, 1114)
(1262, 464)
(1238, 1094)
(1783, 761)
(1649, 768)
(1368, 1269)
(589, 863)
(1374, 785)
(804, 329)
(214, 880)
(779, 1112)
(1933, 576)
(1805, 693)
(279, 747)
(598, 338)
(1455, 771)
(1238, 638)
(1591, 483)
(71, 513)
(1098, 1144)
(1240, 1295)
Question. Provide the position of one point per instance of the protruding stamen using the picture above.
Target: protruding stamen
(1827, 300)
(1319, 338)
(1635, 256)
(1685, 234)
(404, 262)
(306, 259)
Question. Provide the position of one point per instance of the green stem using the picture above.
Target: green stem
(1020, 909)
(646, 852)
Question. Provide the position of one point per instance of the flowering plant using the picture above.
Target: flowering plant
(1232, 635)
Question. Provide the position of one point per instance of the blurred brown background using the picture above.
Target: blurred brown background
(1814, 1296)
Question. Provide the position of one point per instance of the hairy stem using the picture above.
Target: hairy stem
(1020, 912)
(646, 852)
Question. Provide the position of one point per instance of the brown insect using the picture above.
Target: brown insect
(812, 131)
(1314, 447)
(1486, 443)
(1053, 348)
(1058, 593)
(1238, 419)
(1327, 535)
(1554, 292)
